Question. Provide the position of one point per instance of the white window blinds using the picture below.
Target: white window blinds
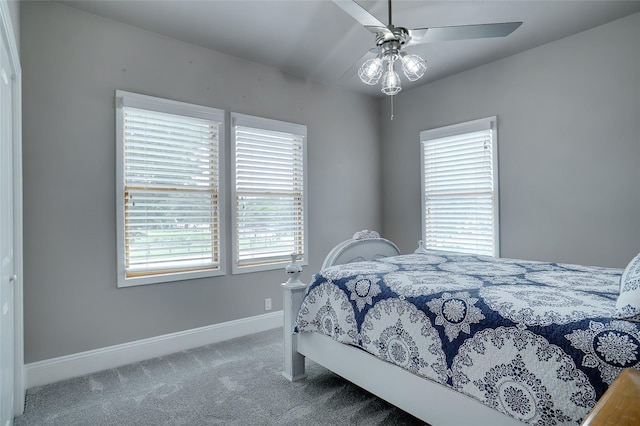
(269, 192)
(460, 204)
(170, 192)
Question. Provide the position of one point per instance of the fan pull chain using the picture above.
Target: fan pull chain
(391, 106)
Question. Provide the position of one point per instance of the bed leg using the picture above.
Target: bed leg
(293, 291)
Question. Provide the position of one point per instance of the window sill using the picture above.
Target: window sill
(166, 278)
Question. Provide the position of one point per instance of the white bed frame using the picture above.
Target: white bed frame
(432, 402)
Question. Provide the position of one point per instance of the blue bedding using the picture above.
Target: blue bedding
(533, 340)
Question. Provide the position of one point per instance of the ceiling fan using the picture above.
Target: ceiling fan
(390, 40)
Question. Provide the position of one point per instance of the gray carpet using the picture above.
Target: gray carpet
(237, 382)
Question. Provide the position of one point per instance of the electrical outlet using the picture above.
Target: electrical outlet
(267, 304)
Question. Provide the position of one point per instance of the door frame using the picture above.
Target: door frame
(7, 36)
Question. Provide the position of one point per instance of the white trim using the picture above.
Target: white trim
(18, 257)
(79, 364)
(275, 126)
(487, 123)
(459, 128)
(8, 37)
(496, 187)
(267, 124)
(135, 100)
(236, 270)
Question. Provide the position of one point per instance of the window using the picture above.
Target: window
(460, 188)
(269, 193)
(168, 190)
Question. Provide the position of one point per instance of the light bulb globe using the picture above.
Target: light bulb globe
(371, 71)
(413, 66)
(391, 83)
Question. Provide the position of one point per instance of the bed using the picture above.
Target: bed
(461, 339)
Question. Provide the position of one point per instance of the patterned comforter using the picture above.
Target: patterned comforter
(533, 340)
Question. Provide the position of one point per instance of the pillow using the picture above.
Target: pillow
(628, 304)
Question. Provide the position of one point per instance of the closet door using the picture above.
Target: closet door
(7, 271)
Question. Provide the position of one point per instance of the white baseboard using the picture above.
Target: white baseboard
(79, 364)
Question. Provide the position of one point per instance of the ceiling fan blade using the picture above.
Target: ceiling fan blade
(359, 13)
(462, 32)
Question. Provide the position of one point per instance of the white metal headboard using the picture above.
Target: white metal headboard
(365, 245)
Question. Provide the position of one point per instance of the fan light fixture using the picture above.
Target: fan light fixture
(391, 39)
(413, 67)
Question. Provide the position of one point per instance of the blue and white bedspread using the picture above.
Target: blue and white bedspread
(533, 340)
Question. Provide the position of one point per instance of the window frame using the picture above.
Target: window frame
(238, 119)
(487, 123)
(134, 100)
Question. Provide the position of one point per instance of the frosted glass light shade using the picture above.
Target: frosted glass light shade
(413, 66)
(371, 71)
(391, 82)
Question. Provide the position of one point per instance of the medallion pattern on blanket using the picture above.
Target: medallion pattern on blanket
(534, 340)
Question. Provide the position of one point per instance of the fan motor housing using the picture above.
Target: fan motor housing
(397, 34)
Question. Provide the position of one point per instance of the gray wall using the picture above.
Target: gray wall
(73, 62)
(569, 146)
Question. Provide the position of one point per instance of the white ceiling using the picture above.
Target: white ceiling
(318, 40)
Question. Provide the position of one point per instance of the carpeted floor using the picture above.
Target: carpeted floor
(238, 382)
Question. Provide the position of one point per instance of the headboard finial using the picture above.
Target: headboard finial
(294, 269)
(421, 248)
